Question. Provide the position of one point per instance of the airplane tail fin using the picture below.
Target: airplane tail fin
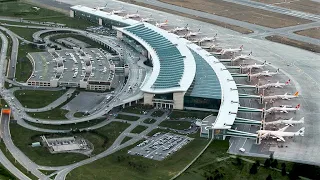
(298, 106)
(241, 47)
(302, 120)
(199, 30)
(278, 70)
(296, 94)
(166, 21)
(250, 53)
(288, 82)
(300, 132)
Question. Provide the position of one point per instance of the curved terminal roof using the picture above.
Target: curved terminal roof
(173, 64)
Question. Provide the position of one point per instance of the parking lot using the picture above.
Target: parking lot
(159, 146)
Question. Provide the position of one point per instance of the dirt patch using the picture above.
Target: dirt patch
(218, 23)
(300, 5)
(240, 12)
(313, 32)
(294, 43)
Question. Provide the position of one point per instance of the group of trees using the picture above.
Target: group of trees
(138, 166)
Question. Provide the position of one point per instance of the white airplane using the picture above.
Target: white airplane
(190, 34)
(177, 29)
(101, 8)
(283, 109)
(36, 8)
(277, 85)
(280, 133)
(254, 66)
(286, 96)
(289, 122)
(136, 15)
(212, 46)
(265, 73)
(230, 50)
(146, 19)
(205, 39)
(165, 23)
(118, 11)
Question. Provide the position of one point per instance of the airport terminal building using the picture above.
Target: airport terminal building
(184, 76)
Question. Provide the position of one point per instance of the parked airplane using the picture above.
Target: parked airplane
(212, 46)
(280, 133)
(118, 11)
(277, 85)
(204, 39)
(177, 29)
(286, 96)
(284, 109)
(230, 50)
(136, 15)
(165, 23)
(146, 19)
(101, 8)
(289, 122)
(190, 34)
(265, 73)
(254, 66)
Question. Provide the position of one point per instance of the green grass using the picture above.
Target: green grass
(5, 174)
(37, 99)
(179, 125)
(22, 9)
(24, 66)
(157, 113)
(143, 169)
(25, 33)
(138, 129)
(177, 114)
(47, 172)
(101, 138)
(54, 114)
(78, 114)
(67, 126)
(137, 109)
(126, 117)
(15, 163)
(208, 165)
(126, 139)
(149, 121)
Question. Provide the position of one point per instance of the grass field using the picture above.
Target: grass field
(37, 99)
(126, 139)
(25, 33)
(78, 114)
(67, 126)
(149, 121)
(15, 163)
(126, 117)
(215, 162)
(240, 12)
(211, 21)
(101, 138)
(137, 109)
(294, 43)
(177, 114)
(22, 9)
(313, 32)
(179, 125)
(24, 66)
(308, 6)
(123, 166)
(54, 114)
(157, 113)
(138, 129)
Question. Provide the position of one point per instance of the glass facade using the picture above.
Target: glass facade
(200, 102)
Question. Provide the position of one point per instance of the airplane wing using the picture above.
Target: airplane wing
(265, 135)
(283, 129)
(279, 137)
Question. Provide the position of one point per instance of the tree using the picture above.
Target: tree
(254, 169)
(271, 157)
(258, 163)
(283, 170)
(283, 165)
(238, 161)
(274, 163)
(267, 163)
(269, 177)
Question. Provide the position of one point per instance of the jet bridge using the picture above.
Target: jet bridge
(247, 121)
(243, 134)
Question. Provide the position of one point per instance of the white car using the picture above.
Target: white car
(242, 150)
